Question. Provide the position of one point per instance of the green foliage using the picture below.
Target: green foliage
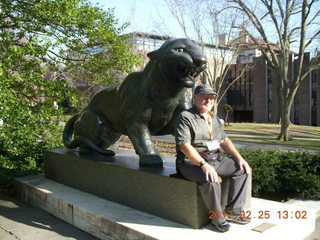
(227, 108)
(281, 175)
(38, 40)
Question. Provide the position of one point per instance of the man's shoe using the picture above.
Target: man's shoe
(222, 227)
(237, 219)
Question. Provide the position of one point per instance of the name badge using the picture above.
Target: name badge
(213, 145)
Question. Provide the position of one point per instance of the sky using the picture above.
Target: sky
(148, 16)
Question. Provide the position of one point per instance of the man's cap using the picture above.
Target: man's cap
(204, 89)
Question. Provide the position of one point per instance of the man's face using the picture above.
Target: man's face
(204, 102)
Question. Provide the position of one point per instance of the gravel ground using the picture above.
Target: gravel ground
(165, 149)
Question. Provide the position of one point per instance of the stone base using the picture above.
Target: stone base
(99, 217)
(109, 220)
(120, 179)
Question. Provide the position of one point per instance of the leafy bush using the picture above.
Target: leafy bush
(41, 41)
(27, 130)
(281, 175)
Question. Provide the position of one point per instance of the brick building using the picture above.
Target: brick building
(254, 97)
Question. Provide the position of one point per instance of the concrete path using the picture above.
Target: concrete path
(21, 221)
(313, 204)
(252, 146)
(246, 145)
(271, 137)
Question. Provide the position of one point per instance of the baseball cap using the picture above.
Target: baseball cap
(204, 89)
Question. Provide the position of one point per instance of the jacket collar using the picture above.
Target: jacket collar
(196, 112)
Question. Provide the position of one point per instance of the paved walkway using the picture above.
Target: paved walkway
(20, 221)
(247, 145)
(272, 137)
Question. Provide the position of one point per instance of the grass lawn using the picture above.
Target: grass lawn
(264, 129)
(301, 144)
(272, 130)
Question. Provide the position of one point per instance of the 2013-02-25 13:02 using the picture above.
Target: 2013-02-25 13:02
(263, 214)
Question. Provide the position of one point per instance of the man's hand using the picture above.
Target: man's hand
(192, 154)
(228, 146)
(244, 165)
(211, 174)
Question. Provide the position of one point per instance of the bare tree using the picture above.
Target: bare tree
(293, 23)
(212, 28)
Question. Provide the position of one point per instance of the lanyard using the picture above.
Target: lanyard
(209, 125)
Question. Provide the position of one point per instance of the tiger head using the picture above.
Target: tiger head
(180, 61)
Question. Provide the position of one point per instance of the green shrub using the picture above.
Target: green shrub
(23, 138)
(282, 175)
(45, 47)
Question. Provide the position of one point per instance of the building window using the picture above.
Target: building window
(240, 93)
(269, 77)
(269, 104)
(250, 88)
(147, 44)
(269, 92)
(314, 98)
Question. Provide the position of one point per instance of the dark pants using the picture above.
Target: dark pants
(211, 192)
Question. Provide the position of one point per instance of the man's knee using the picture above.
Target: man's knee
(241, 172)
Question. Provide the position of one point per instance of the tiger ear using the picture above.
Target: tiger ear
(153, 55)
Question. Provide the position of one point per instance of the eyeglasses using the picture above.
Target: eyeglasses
(206, 97)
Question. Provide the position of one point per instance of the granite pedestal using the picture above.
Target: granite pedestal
(122, 180)
(108, 220)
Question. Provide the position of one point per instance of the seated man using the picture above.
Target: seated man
(199, 136)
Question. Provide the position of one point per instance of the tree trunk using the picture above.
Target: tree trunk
(285, 119)
(280, 103)
(226, 120)
(215, 108)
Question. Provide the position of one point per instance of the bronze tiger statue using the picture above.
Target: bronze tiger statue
(146, 103)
